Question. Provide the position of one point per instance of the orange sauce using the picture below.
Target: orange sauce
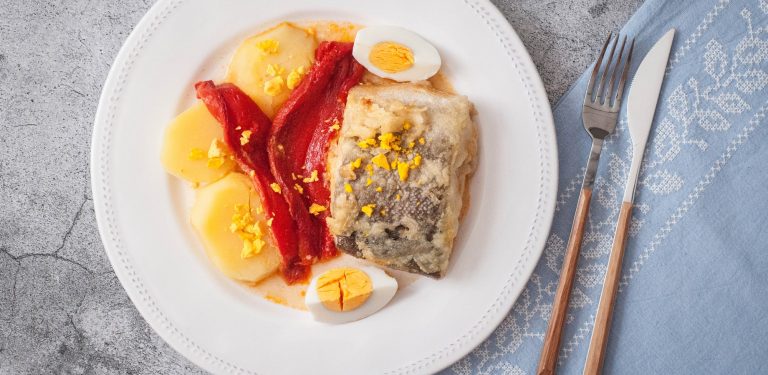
(441, 83)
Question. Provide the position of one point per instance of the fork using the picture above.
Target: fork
(599, 114)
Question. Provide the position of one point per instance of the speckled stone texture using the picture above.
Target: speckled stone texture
(62, 310)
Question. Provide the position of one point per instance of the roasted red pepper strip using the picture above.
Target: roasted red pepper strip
(298, 144)
(237, 113)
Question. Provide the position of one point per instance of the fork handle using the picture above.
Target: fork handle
(549, 353)
(596, 352)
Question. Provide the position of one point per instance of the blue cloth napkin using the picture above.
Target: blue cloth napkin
(694, 296)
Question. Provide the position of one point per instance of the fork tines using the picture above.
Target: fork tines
(610, 96)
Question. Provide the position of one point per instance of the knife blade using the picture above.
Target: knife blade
(641, 103)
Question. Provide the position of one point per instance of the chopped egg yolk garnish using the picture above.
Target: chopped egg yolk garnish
(416, 161)
(335, 126)
(247, 228)
(214, 151)
(347, 188)
(275, 70)
(391, 57)
(365, 143)
(381, 161)
(344, 289)
(294, 78)
(368, 209)
(316, 209)
(274, 86)
(312, 178)
(355, 164)
(196, 154)
(268, 46)
(402, 171)
(388, 141)
(298, 188)
(216, 155)
(245, 137)
(275, 187)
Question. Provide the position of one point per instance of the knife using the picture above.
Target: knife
(641, 106)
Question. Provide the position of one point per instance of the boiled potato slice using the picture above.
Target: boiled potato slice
(211, 217)
(268, 65)
(187, 143)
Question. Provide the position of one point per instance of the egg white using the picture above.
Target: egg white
(383, 289)
(426, 58)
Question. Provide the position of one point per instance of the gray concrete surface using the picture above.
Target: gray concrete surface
(62, 310)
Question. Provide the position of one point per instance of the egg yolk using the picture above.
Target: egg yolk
(344, 289)
(391, 57)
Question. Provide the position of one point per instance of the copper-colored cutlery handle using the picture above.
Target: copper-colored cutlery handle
(549, 353)
(596, 352)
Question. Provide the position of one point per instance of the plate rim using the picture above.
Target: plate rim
(440, 358)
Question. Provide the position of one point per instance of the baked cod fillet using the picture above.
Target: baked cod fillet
(398, 175)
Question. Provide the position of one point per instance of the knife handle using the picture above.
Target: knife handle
(551, 348)
(596, 352)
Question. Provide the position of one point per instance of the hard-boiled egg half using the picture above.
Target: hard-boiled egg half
(396, 53)
(343, 295)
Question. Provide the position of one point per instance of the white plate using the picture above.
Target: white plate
(225, 328)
